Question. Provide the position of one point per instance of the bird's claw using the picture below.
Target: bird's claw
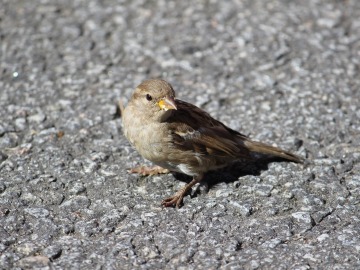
(144, 170)
(176, 200)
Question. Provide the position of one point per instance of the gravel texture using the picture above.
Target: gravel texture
(283, 72)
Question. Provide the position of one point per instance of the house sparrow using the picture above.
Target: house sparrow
(180, 137)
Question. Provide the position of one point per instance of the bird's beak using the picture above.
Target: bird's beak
(167, 103)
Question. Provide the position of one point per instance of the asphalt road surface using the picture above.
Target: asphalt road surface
(282, 72)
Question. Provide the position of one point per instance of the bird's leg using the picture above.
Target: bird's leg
(144, 170)
(177, 198)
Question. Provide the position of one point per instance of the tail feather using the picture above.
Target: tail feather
(263, 148)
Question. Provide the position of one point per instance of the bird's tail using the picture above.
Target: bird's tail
(262, 148)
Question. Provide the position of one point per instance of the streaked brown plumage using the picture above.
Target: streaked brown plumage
(181, 137)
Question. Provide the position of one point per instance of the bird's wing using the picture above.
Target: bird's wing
(194, 129)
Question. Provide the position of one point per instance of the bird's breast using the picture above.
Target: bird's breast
(149, 140)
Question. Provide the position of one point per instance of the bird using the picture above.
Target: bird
(177, 136)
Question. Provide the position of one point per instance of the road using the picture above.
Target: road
(282, 72)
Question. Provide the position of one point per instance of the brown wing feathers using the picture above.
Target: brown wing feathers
(203, 134)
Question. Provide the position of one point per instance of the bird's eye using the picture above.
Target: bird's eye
(148, 97)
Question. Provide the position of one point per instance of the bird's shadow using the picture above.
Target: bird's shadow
(234, 171)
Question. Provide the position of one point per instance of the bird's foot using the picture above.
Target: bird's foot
(176, 199)
(144, 170)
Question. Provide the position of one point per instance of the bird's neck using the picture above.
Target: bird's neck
(164, 116)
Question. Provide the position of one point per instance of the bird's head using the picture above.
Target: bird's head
(155, 98)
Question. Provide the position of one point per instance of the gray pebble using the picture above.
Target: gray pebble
(52, 252)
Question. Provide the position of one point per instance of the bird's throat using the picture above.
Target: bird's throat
(164, 115)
